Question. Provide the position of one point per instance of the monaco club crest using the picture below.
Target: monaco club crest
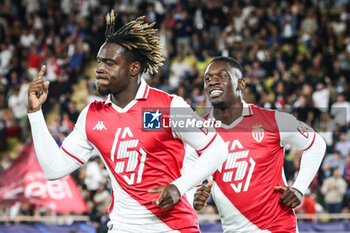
(258, 132)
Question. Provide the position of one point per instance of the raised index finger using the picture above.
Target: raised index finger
(210, 184)
(41, 72)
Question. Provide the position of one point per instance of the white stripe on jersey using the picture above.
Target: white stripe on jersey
(232, 220)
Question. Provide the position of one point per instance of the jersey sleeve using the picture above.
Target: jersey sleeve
(76, 144)
(189, 127)
(203, 139)
(190, 158)
(294, 132)
(54, 162)
(302, 137)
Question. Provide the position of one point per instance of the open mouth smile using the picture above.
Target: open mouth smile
(215, 93)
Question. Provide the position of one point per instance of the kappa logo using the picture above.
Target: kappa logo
(99, 126)
(258, 132)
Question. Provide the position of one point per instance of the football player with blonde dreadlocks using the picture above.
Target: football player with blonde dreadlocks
(134, 133)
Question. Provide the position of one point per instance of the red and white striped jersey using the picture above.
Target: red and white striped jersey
(138, 160)
(243, 188)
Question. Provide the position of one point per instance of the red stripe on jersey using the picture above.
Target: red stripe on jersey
(250, 110)
(112, 203)
(145, 93)
(208, 143)
(78, 160)
(311, 142)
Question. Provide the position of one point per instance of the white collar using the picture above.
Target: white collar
(247, 110)
(142, 92)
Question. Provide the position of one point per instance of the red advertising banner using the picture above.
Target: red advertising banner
(25, 182)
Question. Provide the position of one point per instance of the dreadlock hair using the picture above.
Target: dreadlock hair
(234, 63)
(139, 40)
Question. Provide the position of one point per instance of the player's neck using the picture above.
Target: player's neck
(227, 115)
(123, 98)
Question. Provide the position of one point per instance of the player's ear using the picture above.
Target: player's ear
(241, 84)
(135, 68)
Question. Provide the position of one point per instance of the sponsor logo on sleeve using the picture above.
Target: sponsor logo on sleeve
(304, 130)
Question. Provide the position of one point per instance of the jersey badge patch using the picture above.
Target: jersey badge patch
(258, 132)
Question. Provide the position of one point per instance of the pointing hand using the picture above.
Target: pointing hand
(37, 92)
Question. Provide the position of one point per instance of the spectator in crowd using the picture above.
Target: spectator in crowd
(343, 146)
(94, 176)
(341, 110)
(333, 189)
(5, 58)
(183, 29)
(180, 69)
(309, 27)
(321, 96)
(101, 196)
(332, 162)
(34, 61)
(27, 38)
(18, 102)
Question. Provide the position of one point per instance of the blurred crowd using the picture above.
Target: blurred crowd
(295, 55)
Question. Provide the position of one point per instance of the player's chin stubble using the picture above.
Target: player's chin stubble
(218, 104)
(103, 91)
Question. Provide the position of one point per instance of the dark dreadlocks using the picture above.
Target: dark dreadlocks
(139, 40)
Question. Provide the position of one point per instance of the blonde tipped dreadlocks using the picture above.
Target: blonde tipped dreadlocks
(140, 39)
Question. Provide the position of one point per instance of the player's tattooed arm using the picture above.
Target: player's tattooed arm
(201, 196)
(290, 196)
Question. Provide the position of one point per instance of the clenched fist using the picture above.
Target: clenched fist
(37, 92)
(201, 196)
(290, 196)
(169, 196)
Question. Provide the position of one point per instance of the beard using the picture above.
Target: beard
(103, 91)
(220, 104)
